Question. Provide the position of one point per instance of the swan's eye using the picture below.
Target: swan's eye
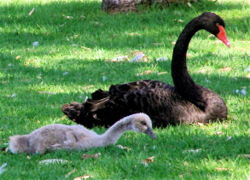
(143, 123)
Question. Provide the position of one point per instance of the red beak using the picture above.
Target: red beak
(222, 35)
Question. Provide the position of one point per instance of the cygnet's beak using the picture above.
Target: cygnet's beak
(150, 132)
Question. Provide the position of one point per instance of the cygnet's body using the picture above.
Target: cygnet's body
(60, 136)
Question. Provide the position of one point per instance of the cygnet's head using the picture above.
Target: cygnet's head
(141, 122)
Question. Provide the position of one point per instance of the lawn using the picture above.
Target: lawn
(54, 52)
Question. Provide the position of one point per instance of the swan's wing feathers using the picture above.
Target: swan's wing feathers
(105, 108)
(99, 94)
(116, 90)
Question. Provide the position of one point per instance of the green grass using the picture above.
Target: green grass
(76, 37)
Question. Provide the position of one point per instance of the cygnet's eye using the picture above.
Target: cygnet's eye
(143, 123)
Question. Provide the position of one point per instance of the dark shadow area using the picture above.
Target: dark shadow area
(87, 74)
(100, 30)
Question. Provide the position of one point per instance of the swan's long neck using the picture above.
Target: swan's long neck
(183, 82)
(116, 130)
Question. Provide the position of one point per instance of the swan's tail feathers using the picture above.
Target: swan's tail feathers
(72, 110)
(75, 110)
(96, 112)
(101, 112)
(99, 94)
(19, 144)
(93, 112)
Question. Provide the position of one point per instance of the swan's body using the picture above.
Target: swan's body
(186, 102)
(60, 136)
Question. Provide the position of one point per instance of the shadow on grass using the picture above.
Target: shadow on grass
(56, 23)
(84, 72)
(66, 23)
(172, 158)
(45, 90)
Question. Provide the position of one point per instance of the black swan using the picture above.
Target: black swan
(61, 136)
(186, 102)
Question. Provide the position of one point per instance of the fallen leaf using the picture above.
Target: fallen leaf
(210, 36)
(86, 48)
(83, 177)
(39, 76)
(93, 156)
(200, 124)
(69, 173)
(61, 25)
(189, 55)
(219, 133)
(179, 20)
(46, 92)
(97, 23)
(161, 73)
(119, 58)
(133, 34)
(173, 42)
(245, 156)
(192, 151)
(145, 72)
(202, 71)
(189, 4)
(134, 53)
(148, 160)
(225, 69)
(12, 95)
(32, 11)
(87, 87)
(53, 161)
(222, 169)
(78, 178)
(158, 44)
(123, 147)
(18, 57)
(82, 17)
(68, 17)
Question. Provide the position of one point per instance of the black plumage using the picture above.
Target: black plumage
(186, 102)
